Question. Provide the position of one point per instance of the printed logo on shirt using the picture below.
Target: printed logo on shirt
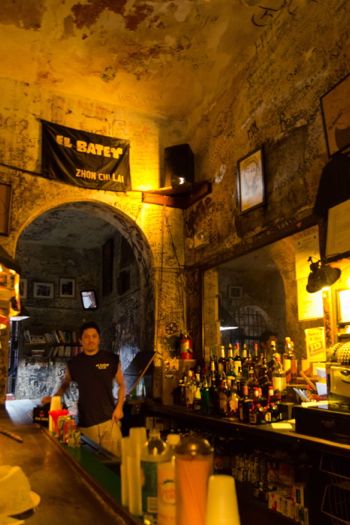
(102, 366)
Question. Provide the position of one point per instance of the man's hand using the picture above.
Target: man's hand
(45, 400)
(118, 413)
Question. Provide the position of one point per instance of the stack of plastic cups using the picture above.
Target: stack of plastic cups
(137, 439)
(193, 466)
(125, 452)
(222, 505)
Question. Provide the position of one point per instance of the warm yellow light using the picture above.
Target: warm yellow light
(147, 187)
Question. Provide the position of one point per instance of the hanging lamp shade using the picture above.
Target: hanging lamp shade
(321, 275)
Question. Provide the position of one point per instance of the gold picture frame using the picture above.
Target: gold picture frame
(251, 184)
(335, 106)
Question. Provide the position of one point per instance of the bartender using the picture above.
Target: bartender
(95, 371)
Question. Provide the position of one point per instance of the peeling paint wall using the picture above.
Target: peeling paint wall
(302, 49)
(32, 195)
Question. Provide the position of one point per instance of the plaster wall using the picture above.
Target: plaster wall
(301, 50)
(155, 234)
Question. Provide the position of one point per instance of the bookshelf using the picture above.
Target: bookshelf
(50, 344)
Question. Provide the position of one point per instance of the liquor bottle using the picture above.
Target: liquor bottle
(222, 362)
(154, 451)
(293, 362)
(279, 380)
(205, 397)
(287, 358)
(197, 399)
(272, 413)
(230, 368)
(244, 405)
(244, 359)
(213, 396)
(264, 378)
(166, 485)
(190, 389)
(256, 354)
(237, 362)
(233, 399)
(251, 381)
(223, 398)
(254, 408)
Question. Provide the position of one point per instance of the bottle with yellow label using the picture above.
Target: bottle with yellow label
(166, 485)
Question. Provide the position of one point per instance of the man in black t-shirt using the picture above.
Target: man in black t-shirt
(94, 371)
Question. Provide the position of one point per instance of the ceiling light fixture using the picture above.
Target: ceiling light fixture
(321, 275)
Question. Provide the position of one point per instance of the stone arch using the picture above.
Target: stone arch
(130, 230)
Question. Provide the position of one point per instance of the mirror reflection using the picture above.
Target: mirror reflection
(264, 292)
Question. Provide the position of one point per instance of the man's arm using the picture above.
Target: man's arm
(61, 390)
(118, 411)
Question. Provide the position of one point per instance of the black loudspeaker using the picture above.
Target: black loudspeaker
(178, 166)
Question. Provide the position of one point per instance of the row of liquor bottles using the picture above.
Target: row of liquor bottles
(243, 384)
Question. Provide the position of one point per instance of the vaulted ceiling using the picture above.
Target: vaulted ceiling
(158, 57)
(162, 57)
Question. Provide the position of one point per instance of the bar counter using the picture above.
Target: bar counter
(234, 428)
(74, 486)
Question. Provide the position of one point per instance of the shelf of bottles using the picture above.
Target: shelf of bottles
(243, 383)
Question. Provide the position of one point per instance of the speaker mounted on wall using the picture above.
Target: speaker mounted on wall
(178, 166)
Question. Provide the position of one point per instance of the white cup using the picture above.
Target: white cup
(138, 438)
(222, 505)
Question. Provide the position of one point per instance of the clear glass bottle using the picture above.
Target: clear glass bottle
(153, 452)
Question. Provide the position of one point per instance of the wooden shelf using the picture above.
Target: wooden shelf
(180, 197)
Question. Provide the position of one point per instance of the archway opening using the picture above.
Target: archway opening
(76, 247)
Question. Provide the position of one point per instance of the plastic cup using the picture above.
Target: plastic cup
(222, 505)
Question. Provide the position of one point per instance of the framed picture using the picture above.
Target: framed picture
(234, 292)
(343, 306)
(5, 206)
(107, 267)
(335, 106)
(67, 287)
(43, 290)
(251, 187)
(23, 288)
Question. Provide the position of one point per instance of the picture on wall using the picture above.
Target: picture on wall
(43, 290)
(251, 187)
(335, 105)
(5, 206)
(67, 287)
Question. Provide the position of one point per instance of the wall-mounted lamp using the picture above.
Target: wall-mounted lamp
(321, 275)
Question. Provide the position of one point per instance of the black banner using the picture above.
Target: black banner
(84, 159)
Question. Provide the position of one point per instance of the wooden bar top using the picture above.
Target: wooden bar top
(68, 493)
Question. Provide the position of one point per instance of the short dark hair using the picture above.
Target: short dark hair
(86, 326)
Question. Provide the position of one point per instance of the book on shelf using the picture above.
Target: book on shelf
(37, 339)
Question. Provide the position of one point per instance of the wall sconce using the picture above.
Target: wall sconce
(321, 275)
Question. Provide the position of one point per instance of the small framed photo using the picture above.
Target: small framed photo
(234, 292)
(335, 106)
(23, 288)
(43, 290)
(67, 287)
(251, 186)
(5, 207)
